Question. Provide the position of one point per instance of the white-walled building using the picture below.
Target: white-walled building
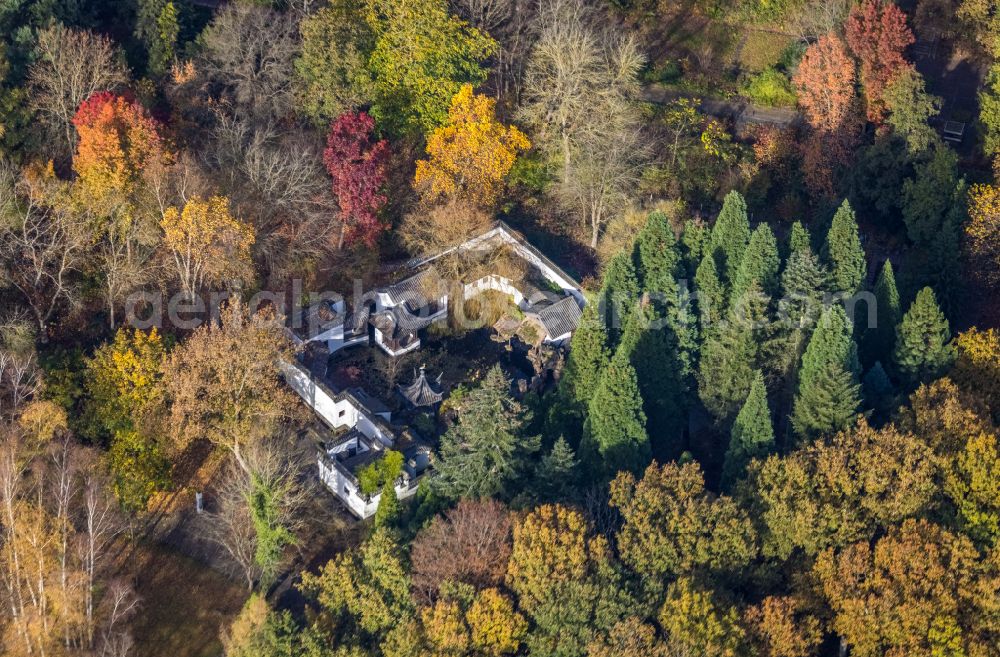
(393, 316)
(355, 433)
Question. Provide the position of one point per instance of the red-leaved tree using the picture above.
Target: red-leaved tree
(357, 162)
(469, 544)
(877, 34)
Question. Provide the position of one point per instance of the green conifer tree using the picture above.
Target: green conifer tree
(658, 263)
(619, 295)
(650, 345)
(711, 296)
(487, 450)
(557, 475)
(694, 243)
(827, 397)
(657, 256)
(879, 340)
(730, 236)
(614, 433)
(588, 355)
(803, 284)
(923, 348)
(799, 238)
(761, 263)
(926, 198)
(752, 435)
(844, 253)
(878, 389)
(729, 358)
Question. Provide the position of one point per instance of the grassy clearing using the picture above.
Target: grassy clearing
(762, 50)
(184, 604)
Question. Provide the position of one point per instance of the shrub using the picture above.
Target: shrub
(769, 88)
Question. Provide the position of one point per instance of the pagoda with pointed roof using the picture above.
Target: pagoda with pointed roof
(421, 392)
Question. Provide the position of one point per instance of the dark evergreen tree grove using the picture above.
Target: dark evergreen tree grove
(760, 264)
(827, 396)
(927, 197)
(752, 435)
(730, 236)
(614, 433)
(923, 350)
(844, 253)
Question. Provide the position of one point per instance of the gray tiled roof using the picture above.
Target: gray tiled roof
(560, 317)
(421, 288)
(420, 392)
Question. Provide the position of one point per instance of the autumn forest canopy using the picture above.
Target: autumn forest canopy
(773, 431)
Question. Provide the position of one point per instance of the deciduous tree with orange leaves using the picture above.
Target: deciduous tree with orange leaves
(825, 82)
(208, 244)
(470, 156)
(117, 141)
(119, 145)
(877, 34)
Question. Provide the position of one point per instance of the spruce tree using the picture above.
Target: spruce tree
(728, 359)
(844, 253)
(588, 355)
(761, 263)
(619, 294)
(657, 257)
(799, 238)
(487, 450)
(614, 434)
(650, 344)
(878, 389)
(803, 285)
(926, 198)
(730, 236)
(694, 244)
(658, 263)
(923, 341)
(752, 435)
(711, 296)
(557, 474)
(827, 397)
(879, 340)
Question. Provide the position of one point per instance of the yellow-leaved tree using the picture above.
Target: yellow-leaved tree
(977, 365)
(208, 244)
(982, 233)
(471, 155)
